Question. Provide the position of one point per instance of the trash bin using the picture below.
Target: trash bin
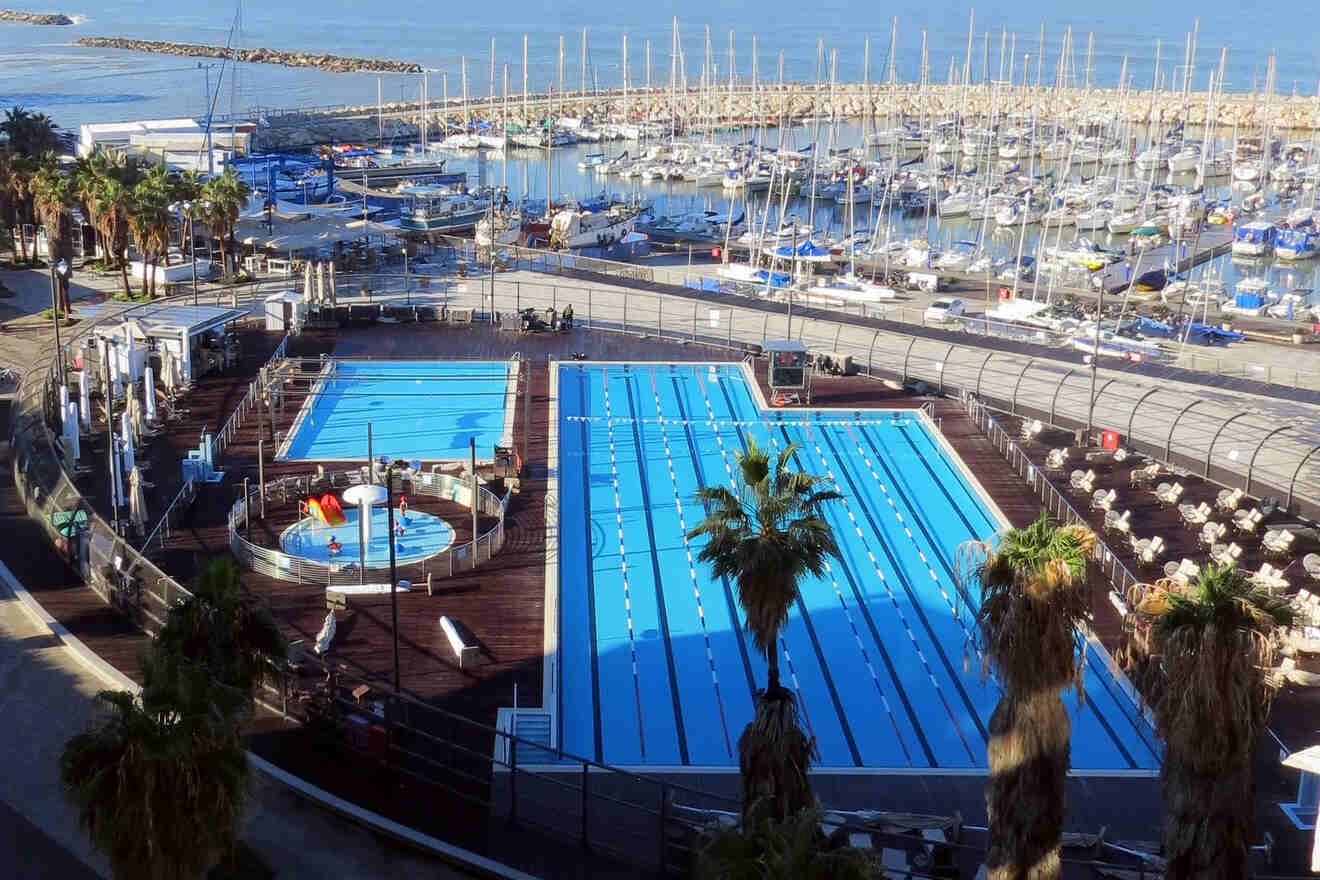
(1109, 440)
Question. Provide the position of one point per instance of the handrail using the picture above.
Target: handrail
(185, 493)
(220, 442)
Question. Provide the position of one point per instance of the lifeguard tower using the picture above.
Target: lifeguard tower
(790, 379)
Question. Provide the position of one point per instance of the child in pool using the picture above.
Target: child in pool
(333, 546)
(403, 508)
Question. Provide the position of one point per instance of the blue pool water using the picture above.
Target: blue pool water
(656, 667)
(423, 535)
(424, 410)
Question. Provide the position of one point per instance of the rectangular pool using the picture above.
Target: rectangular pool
(655, 665)
(426, 410)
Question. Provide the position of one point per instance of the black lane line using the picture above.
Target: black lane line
(584, 379)
(728, 588)
(655, 567)
(880, 645)
(903, 490)
(811, 629)
(901, 574)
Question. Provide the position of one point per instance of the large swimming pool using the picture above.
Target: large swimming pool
(655, 665)
(427, 410)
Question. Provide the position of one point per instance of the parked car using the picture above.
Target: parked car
(944, 311)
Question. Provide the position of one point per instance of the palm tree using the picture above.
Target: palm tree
(766, 848)
(767, 537)
(160, 787)
(16, 182)
(115, 205)
(53, 193)
(223, 629)
(149, 219)
(1033, 598)
(1205, 668)
(223, 198)
(30, 134)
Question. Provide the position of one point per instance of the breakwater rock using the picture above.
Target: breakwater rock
(299, 131)
(46, 18)
(320, 61)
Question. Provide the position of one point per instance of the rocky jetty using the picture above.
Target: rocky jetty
(320, 61)
(45, 18)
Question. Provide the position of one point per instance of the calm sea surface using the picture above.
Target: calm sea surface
(41, 69)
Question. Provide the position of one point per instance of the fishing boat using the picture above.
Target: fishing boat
(444, 212)
(1297, 243)
(1253, 239)
(590, 161)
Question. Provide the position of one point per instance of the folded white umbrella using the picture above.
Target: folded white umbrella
(84, 400)
(149, 392)
(126, 434)
(137, 500)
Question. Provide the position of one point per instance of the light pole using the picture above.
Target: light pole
(59, 274)
(192, 246)
(394, 577)
(1095, 359)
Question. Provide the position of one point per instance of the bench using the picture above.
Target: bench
(468, 655)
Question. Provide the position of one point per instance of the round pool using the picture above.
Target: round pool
(424, 535)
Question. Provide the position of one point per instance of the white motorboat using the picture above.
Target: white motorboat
(575, 228)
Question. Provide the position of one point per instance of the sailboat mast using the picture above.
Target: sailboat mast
(625, 78)
(525, 112)
(582, 79)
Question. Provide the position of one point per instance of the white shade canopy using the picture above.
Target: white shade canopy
(365, 493)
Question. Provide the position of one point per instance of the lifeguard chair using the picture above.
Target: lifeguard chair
(790, 380)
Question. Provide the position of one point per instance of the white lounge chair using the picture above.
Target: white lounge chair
(1184, 572)
(1144, 476)
(1102, 500)
(1168, 495)
(1227, 500)
(1148, 550)
(1030, 430)
(1226, 554)
(1116, 523)
(1211, 532)
(1120, 454)
(1311, 562)
(1056, 459)
(1270, 578)
(1194, 514)
(1247, 521)
(1277, 543)
(1082, 481)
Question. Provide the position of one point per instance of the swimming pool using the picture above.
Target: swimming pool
(424, 535)
(655, 667)
(427, 410)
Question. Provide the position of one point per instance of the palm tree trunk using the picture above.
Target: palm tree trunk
(123, 271)
(772, 685)
(224, 259)
(1028, 757)
(1207, 819)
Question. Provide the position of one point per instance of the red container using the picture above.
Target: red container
(715, 253)
(1109, 440)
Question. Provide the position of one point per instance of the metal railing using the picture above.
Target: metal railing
(288, 491)
(220, 442)
(174, 511)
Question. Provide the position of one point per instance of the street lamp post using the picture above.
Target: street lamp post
(59, 274)
(192, 246)
(394, 577)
